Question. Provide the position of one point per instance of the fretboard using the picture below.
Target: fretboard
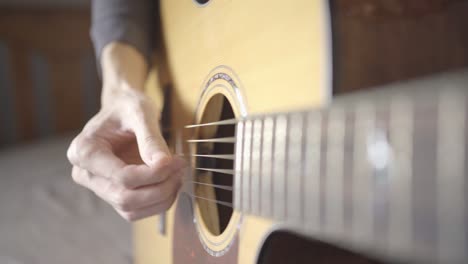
(383, 172)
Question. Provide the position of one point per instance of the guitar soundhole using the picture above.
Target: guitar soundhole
(215, 187)
(202, 2)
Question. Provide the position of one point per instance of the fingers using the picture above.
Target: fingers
(98, 185)
(80, 176)
(148, 211)
(100, 160)
(135, 187)
(134, 176)
(133, 199)
(132, 204)
(151, 144)
(94, 156)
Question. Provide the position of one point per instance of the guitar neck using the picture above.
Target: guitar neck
(384, 171)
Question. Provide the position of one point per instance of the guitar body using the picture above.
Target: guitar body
(280, 55)
(251, 195)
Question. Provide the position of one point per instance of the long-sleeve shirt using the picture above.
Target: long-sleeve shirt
(127, 21)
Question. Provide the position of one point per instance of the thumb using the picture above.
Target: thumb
(151, 144)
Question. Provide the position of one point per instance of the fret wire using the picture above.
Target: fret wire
(246, 173)
(302, 173)
(259, 190)
(255, 165)
(267, 163)
(303, 160)
(294, 168)
(400, 233)
(238, 165)
(363, 220)
(312, 167)
(279, 167)
(334, 214)
(285, 169)
(380, 157)
(451, 199)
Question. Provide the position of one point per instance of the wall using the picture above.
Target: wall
(48, 82)
(378, 42)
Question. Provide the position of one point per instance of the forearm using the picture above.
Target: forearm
(124, 21)
(121, 154)
(122, 36)
(123, 67)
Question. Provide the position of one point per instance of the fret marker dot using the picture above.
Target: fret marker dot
(379, 151)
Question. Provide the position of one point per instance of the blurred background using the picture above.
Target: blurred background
(47, 69)
(48, 89)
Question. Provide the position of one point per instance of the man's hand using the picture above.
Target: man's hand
(120, 154)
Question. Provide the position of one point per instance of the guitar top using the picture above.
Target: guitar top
(284, 172)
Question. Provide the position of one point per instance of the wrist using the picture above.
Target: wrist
(114, 94)
(123, 68)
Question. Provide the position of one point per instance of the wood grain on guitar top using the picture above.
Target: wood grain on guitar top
(282, 54)
(187, 246)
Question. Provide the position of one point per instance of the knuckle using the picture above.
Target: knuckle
(128, 216)
(84, 149)
(93, 125)
(125, 181)
(71, 151)
(76, 177)
(123, 201)
(158, 194)
(70, 156)
(80, 177)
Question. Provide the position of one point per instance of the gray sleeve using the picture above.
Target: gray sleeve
(128, 21)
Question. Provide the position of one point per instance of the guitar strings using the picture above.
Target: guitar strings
(217, 186)
(323, 124)
(188, 179)
(223, 122)
(211, 200)
(190, 191)
(213, 140)
(227, 140)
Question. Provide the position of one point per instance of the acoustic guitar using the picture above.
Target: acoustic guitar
(280, 172)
